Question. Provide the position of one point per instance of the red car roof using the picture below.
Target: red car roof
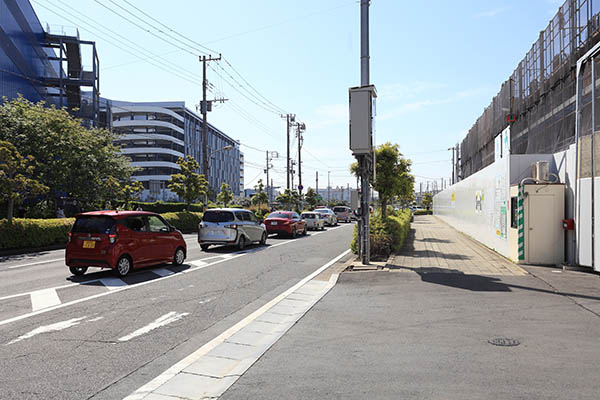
(115, 214)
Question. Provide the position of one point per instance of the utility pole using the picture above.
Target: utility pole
(292, 172)
(289, 119)
(205, 108)
(270, 156)
(317, 182)
(300, 127)
(453, 178)
(328, 189)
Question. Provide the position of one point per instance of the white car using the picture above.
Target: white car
(231, 227)
(330, 218)
(314, 220)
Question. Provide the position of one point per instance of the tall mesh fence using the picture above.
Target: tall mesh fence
(538, 99)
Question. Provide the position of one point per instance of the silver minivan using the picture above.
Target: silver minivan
(232, 227)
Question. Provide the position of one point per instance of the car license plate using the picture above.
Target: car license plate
(274, 223)
(89, 244)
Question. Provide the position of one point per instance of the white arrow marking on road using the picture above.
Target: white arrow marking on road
(44, 298)
(112, 283)
(59, 326)
(164, 320)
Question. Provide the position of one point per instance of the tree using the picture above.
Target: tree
(72, 160)
(427, 200)
(289, 199)
(131, 191)
(225, 197)
(393, 174)
(16, 179)
(311, 198)
(188, 184)
(260, 197)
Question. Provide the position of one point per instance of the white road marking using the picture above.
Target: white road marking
(95, 319)
(70, 303)
(206, 300)
(164, 320)
(198, 263)
(36, 263)
(112, 283)
(163, 272)
(195, 356)
(59, 326)
(44, 298)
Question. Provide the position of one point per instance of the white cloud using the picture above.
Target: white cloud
(490, 13)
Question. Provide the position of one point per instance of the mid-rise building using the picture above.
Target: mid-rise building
(156, 134)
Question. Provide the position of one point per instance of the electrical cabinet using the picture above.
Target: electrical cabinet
(362, 101)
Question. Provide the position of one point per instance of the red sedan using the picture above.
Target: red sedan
(122, 240)
(285, 222)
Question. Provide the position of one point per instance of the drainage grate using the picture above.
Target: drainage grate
(505, 342)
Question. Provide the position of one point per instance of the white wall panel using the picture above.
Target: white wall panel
(479, 206)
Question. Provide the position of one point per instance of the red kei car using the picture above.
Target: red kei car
(285, 222)
(122, 240)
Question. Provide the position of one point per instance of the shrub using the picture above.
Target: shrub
(186, 222)
(32, 233)
(161, 208)
(387, 235)
(423, 212)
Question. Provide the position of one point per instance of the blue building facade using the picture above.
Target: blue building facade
(24, 62)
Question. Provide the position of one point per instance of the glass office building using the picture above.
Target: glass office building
(156, 134)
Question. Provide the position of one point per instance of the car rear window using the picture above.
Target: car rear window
(218, 216)
(340, 209)
(93, 224)
(309, 216)
(322, 211)
(280, 215)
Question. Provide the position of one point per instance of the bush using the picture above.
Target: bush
(32, 233)
(387, 235)
(186, 222)
(161, 208)
(260, 212)
(423, 212)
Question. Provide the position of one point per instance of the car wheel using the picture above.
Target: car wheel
(263, 239)
(323, 227)
(294, 233)
(204, 247)
(78, 271)
(242, 243)
(304, 232)
(123, 266)
(179, 256)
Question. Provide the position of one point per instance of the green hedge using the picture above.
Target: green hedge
(423, 212)
(186, 222)
(161, 208)
(387, 235)
(32, 233)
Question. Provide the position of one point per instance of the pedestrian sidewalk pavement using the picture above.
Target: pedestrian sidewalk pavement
(434, 246)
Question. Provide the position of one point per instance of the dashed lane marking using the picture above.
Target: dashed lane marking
(44, 298)
(113, 283)
(58, 326)
(36, 263)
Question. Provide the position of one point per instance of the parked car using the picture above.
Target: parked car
(122, 240)
(330, 218)
(314, 220)
(285, 222)
(343, 213)
(231, 227)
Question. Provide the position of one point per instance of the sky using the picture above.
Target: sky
(436, 66)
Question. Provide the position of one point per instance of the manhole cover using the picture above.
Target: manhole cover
(506, 342)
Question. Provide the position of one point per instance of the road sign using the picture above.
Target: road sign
(300, 187)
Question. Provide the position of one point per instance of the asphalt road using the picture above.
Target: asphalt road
(100, 337)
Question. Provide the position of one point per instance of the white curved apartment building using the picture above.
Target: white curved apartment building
(155, 135)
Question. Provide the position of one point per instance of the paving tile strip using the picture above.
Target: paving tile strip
(435, 246)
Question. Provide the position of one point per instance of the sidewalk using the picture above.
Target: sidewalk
(470, 326)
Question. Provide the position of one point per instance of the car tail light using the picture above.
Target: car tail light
(70, 235)
(232, 226)
(112, 238)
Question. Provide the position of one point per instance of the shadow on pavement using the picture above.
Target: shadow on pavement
(408, 249)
